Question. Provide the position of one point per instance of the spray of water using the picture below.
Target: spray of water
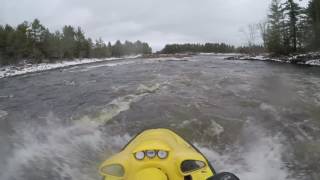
(54, 150)
(258, 156)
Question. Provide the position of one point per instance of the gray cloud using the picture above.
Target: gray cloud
(155, 21)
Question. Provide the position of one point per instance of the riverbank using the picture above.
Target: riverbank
(312, 59)
(14, 70)
(20, 69)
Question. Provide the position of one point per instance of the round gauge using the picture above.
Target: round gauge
(162, 154)
(139, 155)
(151, 153)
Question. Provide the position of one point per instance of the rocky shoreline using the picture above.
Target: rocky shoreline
(312, 59)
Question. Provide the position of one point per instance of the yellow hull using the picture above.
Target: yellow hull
(157, 154)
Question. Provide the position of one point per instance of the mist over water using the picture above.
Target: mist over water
(62, 124)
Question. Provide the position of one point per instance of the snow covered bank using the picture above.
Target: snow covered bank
(8, 71)
(304, 59)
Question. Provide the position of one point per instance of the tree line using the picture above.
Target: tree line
(291, 28)
(195, 48)
(34, 42)
(212, 48)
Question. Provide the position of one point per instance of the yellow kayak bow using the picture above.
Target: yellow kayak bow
(159, 154)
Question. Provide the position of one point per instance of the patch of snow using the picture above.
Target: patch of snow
(314, 62)
(312, 58)
(28, 68)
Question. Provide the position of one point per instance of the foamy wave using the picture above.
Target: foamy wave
(258, 158)
(122, 103)
(3, 113)
(59, 151)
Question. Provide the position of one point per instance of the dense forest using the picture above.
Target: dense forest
(291, 28)
(34, 42)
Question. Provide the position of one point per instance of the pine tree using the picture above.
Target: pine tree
(68, 42)
(314, 14)
(117, 49)
(274, 37)
(56, 45)
(9, 49)
(146, 49)
(293, 11)
(36, 35)
(81, 50)
(19, 41)
(3, 44)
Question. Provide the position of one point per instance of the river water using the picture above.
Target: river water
(260, 120)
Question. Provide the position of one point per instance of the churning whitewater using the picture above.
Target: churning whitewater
(61, 124)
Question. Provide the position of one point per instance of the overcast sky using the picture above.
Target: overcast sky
(155, 21)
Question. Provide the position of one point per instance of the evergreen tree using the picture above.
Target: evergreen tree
(82, 45)
(292, 10)
(100, 49)
(146, 49)
(314, 14)
(68, 42)
(36, 35)
(2, 44)
(21, 41)
(274, 37)
(117, 49)
(55, 46)
(87, 48)
(9, 49)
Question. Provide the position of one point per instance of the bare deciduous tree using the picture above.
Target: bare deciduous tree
(251, 34)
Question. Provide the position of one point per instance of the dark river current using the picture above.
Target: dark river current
(260, 120)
